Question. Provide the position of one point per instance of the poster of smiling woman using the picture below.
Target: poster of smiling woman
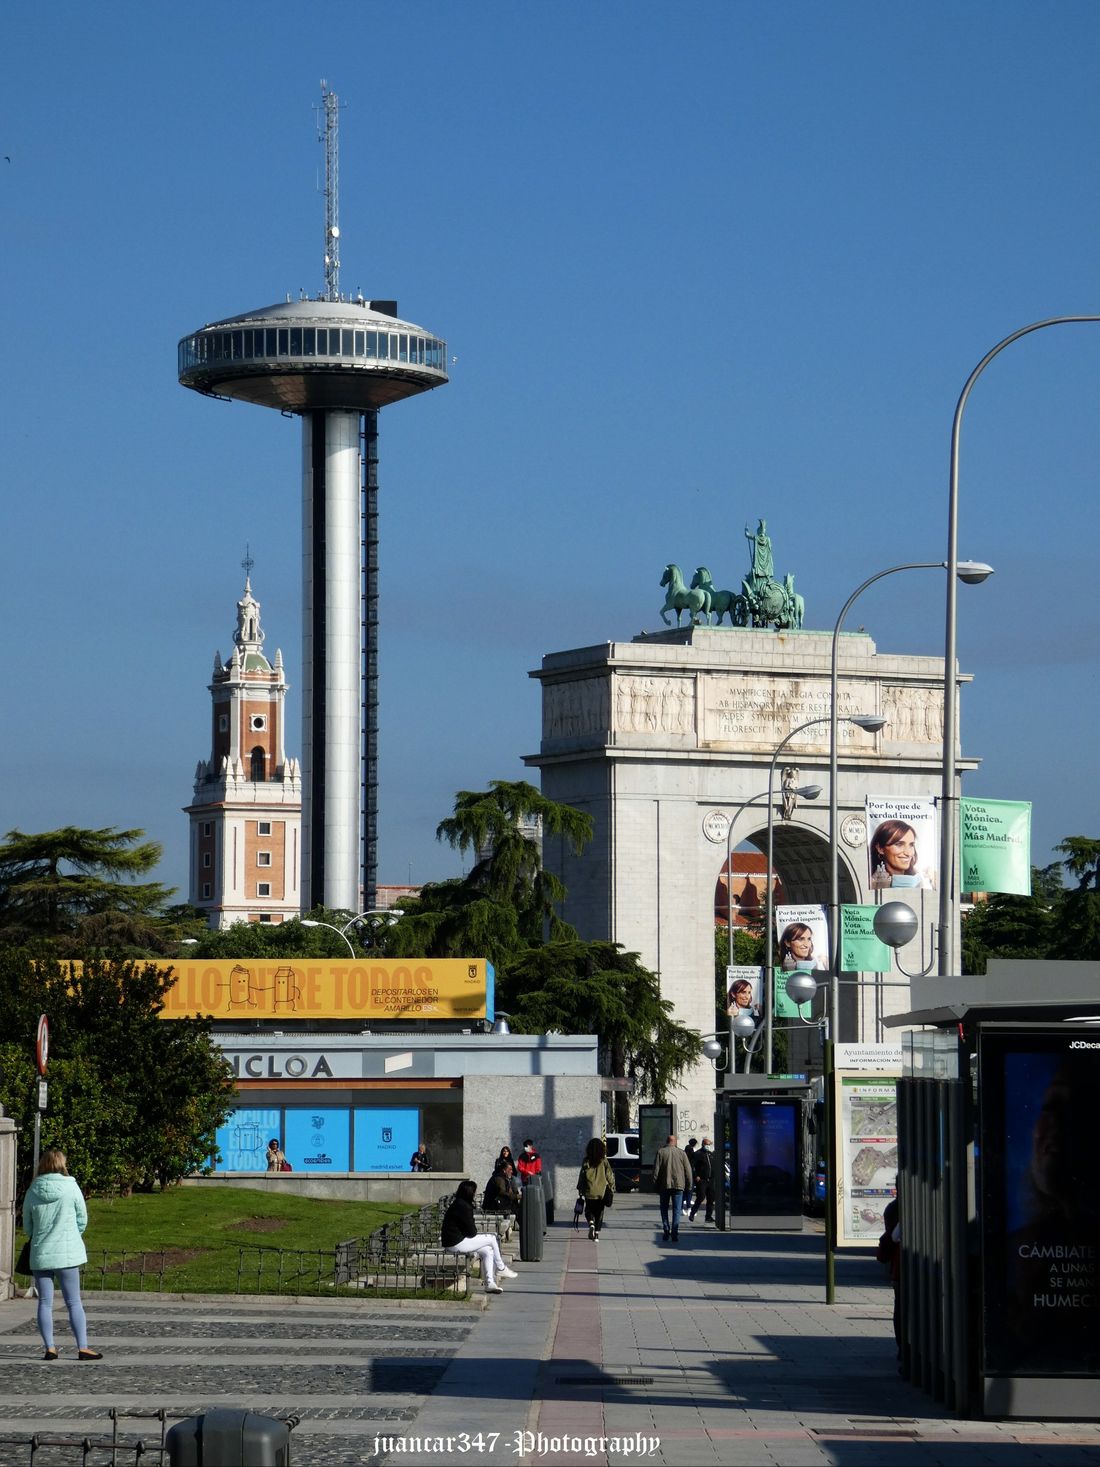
(903, 848)
(802, 943)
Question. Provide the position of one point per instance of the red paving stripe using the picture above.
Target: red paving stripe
(578, 1337)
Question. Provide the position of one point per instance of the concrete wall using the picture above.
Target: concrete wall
(417, 1189)
(561, 1114)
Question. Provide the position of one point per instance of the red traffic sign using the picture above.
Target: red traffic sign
(42, 1043)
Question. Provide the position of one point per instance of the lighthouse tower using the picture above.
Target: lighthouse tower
(246, 816)
(334, 362)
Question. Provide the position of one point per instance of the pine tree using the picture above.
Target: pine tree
(79, 883)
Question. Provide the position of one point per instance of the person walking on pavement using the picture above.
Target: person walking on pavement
(460, 1235)
(596, 1184)
(689, 1152)
(672, 1178)
(54, 1219)
(703, 1168)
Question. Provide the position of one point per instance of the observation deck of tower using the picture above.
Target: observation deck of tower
(333, 362)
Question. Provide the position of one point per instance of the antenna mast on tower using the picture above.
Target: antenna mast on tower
(332, 192)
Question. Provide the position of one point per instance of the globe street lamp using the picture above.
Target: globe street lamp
(950, 685)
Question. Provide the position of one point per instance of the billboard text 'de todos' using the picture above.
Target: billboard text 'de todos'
(413, 988)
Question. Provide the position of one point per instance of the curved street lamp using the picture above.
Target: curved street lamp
(971, 573)
(312, 922)
(950, 685)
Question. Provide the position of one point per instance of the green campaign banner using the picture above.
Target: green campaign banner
(861, 950)
(995, 846)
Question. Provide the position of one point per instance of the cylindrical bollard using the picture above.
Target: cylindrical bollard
(546, 1177)
(229, 1437)
(532, 1222)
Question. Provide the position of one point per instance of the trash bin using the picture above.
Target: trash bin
(229, 1437)
(532, 1222)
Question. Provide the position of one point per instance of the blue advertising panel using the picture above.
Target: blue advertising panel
(766, 1164)
(385, 1138)
(318, 1138)
(242, 1140)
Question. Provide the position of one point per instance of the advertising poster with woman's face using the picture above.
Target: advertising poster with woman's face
(903, 846)
(802, 943)
(745, 994)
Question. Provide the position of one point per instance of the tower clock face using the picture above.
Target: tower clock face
(853, 830)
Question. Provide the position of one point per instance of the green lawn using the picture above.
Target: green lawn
(203, 1229)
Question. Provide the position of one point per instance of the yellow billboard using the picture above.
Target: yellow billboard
(403, 988)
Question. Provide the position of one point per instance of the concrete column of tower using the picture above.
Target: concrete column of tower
(332, 659)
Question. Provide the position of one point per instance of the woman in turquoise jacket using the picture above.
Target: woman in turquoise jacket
(54, 1218)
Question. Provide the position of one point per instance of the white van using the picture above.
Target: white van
(622, 1144)
(624, 1154)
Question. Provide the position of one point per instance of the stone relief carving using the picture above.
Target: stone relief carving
(913, 715)
(572, 709)
(654, 704)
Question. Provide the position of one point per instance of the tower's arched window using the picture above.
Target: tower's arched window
(258, 771)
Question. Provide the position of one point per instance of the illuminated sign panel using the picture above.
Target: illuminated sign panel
(409, 988)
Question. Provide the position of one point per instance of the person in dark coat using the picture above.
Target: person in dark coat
(421, 1160)
(702, 1167)
(888, 1253)
(500, 1191)
(689, 1152)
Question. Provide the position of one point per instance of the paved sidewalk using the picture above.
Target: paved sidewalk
(718, 1350)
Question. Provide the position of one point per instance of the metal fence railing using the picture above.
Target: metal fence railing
(122, 1448)
(404, 1256)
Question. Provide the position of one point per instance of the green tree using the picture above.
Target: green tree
(72, 890)
(1078, 930)
(1014, 926)
(575, 987)
(506, 909)
(134, 1099)
(508, 900)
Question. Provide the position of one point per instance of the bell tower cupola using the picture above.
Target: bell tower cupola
(246, 813)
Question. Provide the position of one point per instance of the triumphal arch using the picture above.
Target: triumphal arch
(662, 738)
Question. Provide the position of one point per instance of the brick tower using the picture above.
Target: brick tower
(246, 815)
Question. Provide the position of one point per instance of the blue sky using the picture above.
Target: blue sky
(698, 265)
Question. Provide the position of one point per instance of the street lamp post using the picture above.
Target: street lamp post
(340, 932)
(870, 723)
(971, 572)
(383, 916)
(950, 685)
(806, 792)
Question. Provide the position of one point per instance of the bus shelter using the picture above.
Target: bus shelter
(999, 1197)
